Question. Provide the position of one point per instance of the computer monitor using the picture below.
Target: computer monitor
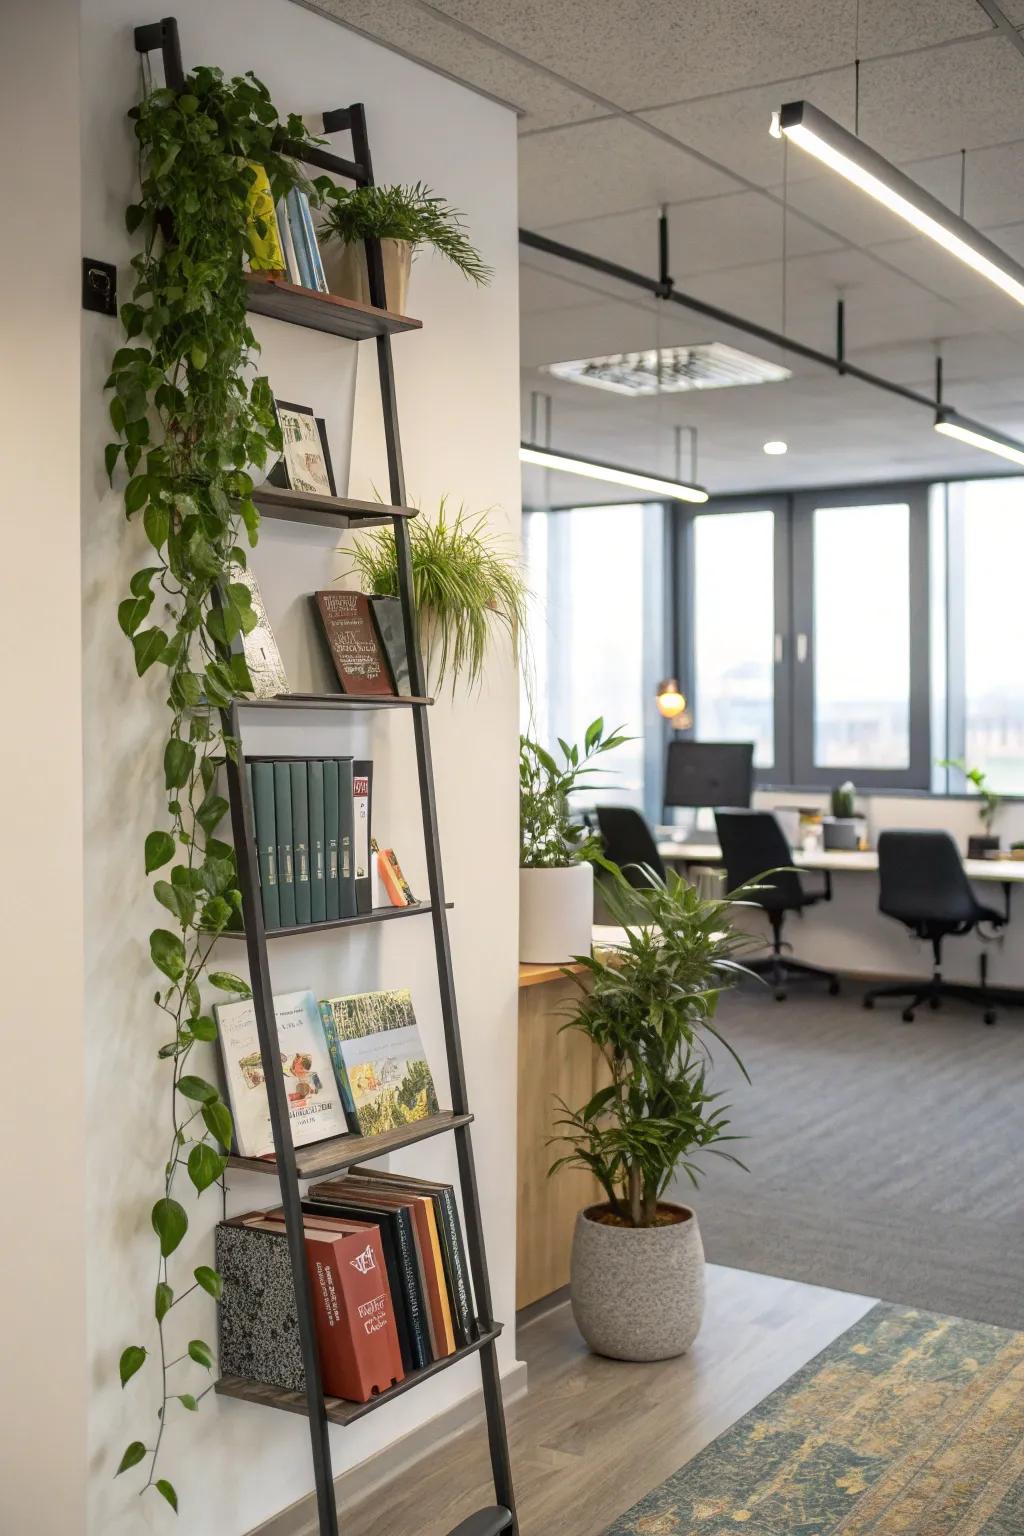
(709, 773)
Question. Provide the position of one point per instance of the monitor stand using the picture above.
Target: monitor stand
(698, 826)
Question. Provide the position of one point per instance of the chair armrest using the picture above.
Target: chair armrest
(486, 1522)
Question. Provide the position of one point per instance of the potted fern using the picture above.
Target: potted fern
(649, 1006)
(556, 853)
(403, 219)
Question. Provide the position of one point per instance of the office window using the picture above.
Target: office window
(861, 641)
(988, 535)
(595, 635)
(734, 629)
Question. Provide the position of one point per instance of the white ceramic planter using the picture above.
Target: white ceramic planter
(556, 914)
(638, 1292)
(345, 270)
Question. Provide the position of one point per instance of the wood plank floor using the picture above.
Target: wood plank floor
(592, 1436)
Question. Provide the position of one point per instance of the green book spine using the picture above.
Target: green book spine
(285, 861)
(331, 906)
(346, 841)
(266, 840)
(348, 1103)
(300, 841)
(317, 839)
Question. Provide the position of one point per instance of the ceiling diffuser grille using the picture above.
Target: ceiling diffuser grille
(708, 365)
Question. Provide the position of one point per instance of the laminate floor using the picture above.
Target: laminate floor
(592, 1436)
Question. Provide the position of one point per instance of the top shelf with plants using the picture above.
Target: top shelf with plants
(268, 295)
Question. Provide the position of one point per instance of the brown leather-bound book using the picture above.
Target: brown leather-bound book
(355, 647)
(422, 1210)
(357, 1340)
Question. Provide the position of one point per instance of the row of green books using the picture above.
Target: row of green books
(312, 828)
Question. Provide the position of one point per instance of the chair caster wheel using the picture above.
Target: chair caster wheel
(868, 1002)
(908, 1015)
(989, 1016)
(833, 989)
(780, 997)
(934, 1003)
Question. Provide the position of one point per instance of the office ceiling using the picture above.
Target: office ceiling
(626, 105)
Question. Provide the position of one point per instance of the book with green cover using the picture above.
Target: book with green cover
(285, 862)
(317, 839)
(346, 841)
(340, 1071)
(387, 1067)
(331, 813)
(300, 840)
(266, 840)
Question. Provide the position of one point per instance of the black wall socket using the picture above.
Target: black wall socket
(99, 286)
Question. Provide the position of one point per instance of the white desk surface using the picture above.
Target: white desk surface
(1002, 871)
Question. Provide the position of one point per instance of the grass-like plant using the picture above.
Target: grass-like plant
(649, 1007)
(467, 586)
(412, 213)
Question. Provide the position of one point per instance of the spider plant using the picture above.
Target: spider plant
(412, 213)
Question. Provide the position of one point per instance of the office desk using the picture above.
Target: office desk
(1005, 872)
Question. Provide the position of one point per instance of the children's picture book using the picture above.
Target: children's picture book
(314, 1100)
(385, 1062)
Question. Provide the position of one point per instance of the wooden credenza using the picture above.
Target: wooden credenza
(554, 1063)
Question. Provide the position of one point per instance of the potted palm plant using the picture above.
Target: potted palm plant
(556, 853)
(403, 219)
(637, 1273)
(978, 845)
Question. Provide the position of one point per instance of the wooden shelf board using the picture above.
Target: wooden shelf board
(338, 1410)
(378, 915)
(334, 701)
(268, 295)
(533, 974)
(321, 1158)
(324, 511)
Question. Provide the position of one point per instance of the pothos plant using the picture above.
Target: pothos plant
(189, 424)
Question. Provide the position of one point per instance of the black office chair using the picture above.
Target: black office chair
(752, 843)
(628, 842)
(923, 885)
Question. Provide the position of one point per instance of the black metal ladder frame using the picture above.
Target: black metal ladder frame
(163, 35)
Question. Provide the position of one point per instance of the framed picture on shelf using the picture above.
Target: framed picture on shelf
(306, 461)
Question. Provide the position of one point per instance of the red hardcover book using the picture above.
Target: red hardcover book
(352, 637)
(357, 1338)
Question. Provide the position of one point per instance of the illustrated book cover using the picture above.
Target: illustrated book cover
(384, 1058)
(314, 1099)
(352, 638)
(259, 647)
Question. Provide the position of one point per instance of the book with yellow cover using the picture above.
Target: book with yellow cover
(265, 253)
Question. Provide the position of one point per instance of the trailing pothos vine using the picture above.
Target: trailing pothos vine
(189, 428)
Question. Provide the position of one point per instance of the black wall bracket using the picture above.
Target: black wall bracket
(99, 286)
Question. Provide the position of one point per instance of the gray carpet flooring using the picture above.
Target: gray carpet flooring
(885, 1158)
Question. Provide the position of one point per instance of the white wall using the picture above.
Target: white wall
(42, 1338)
(234, 1463)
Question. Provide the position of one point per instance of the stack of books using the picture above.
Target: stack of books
(302, 259)
(389, 1279)
(312, 829)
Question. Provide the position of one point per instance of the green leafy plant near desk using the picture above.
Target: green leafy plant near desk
(549, 838)
(187, 425)
(650, 1009)
(990, 801)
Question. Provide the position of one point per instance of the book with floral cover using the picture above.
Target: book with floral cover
(385, 1061)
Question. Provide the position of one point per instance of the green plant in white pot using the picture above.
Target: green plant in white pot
(556, 857)
(649, 1006)
(403, 219)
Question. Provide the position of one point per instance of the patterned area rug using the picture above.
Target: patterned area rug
(909, 1424)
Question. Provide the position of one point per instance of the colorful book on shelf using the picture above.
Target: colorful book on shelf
(300, 840)
(357, 1339)
(351, 635)
(317, 841)
(384, 1058)
(395, 1220)
(315, 1105)
(423, 1214)
(297, 269)
(285, 859)
(394, 882)
(262, 234)
(259, 646)
(362, 831)
(312, 244)
(266, 840)
(340, 1070)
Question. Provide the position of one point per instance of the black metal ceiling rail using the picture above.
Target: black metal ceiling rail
(663, 288)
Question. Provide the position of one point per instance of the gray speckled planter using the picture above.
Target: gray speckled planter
(638, 1292)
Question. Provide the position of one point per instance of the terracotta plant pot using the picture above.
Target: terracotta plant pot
(556, 914)
(347, 276)
(638, 1292)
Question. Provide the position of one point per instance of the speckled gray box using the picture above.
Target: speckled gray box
(259, 1331)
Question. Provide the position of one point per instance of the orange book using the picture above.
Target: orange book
(394, 882)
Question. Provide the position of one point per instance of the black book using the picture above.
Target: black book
(400, 1224)
(453, 1247)
(362, 819)
(390, 626)
(392, 1264)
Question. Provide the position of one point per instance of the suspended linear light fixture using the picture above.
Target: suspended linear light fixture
(952, 424)
(614, 474)
(822, 137)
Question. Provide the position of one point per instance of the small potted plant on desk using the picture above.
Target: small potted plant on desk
(402, 219)
(637, 1272)
(556, 857)
(979, 845)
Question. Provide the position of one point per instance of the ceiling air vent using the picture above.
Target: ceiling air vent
(709, 365)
